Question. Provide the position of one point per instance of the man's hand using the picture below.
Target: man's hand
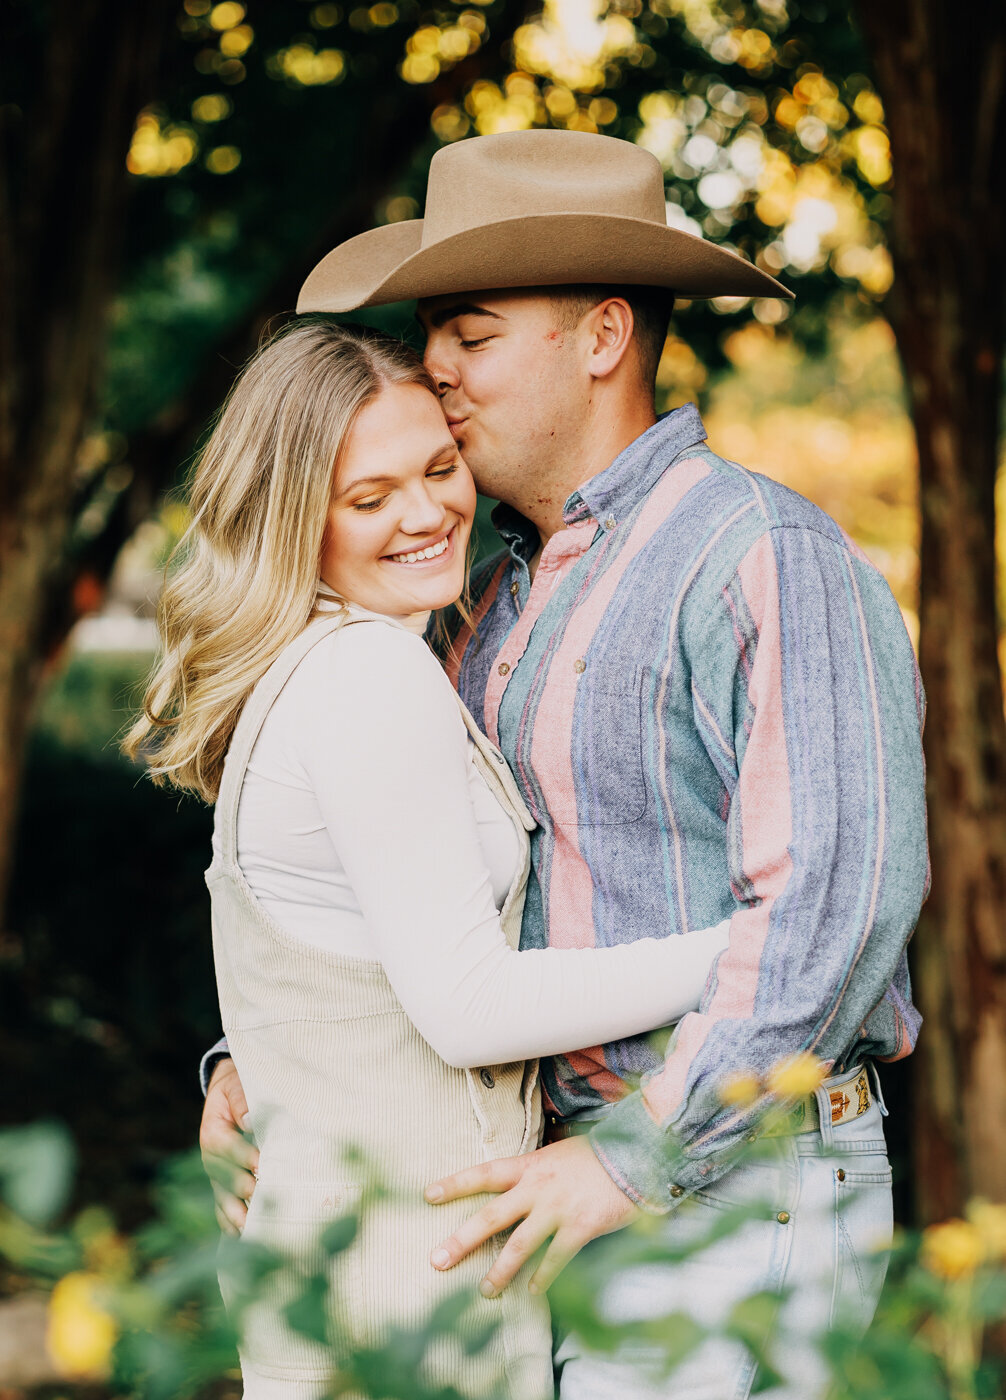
(560, 1192)
(230, 1158)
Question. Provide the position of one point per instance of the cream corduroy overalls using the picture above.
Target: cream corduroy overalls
(329, 1061)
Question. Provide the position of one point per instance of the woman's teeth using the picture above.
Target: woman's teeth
(413, 557)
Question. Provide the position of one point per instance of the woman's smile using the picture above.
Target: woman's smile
(440, 552)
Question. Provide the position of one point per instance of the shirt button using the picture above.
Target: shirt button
(487, 1079)
(503, 668)
(840, 1174)
(515, 588)
(579, 666)
(677, 1191)
(783, 1217)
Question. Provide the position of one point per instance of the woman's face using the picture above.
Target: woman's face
(402, 508)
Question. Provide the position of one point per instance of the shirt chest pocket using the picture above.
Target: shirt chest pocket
(586, 751)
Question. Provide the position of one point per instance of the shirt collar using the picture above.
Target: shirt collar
(619, 488)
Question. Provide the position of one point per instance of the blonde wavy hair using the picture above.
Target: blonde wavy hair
(242, 582)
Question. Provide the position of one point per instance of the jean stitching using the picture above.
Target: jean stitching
(794, 1172)
(842, 1236)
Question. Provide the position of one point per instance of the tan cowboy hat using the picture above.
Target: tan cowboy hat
(532, 209)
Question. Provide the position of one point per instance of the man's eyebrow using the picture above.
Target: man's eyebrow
(442, 451)
(443, 314)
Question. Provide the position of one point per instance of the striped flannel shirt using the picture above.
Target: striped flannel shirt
(711, 705)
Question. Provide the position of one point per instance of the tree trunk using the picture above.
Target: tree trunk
(62, 188)
(58, 257)
(942, 78)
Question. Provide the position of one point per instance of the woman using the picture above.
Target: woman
(370, 853)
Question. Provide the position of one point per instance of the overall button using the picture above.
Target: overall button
(610, 523)
(487, 1079)
(579, 666)
(783, 1217)
(840, 1174)
(515, 588)
(503, 668)
(677, 1191)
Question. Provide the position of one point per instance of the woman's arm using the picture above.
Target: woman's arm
(385, 748)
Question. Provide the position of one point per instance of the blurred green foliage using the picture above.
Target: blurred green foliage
(141, 1313)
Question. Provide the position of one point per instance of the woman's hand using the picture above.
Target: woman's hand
(230, 1157)
(561, 1192)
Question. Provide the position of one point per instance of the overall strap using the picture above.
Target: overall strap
(251, 719)
(496, 770)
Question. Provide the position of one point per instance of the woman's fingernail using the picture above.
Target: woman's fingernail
(434, 1193)
(486, 1289)
(246, 1123)
(440, 1258)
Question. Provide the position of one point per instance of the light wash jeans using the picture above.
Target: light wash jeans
(825, 1241)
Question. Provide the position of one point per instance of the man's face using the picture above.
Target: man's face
(513, 388)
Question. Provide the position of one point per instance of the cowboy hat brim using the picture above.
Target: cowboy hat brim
(390, 264)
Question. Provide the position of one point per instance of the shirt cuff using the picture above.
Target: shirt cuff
(646, 1161)
(210, 1061)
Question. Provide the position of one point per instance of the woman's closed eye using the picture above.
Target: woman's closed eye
(474, 344)
(435, 473)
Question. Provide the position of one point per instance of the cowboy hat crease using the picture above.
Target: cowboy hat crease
(532, 209)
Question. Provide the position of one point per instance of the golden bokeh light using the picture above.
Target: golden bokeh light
(433, 48)
(222, 160)
(572, 41)
(303, 65)
(226, 15)
(157, 150)
(234, 42)
(211, 107)
(399, 208)
(450, 123)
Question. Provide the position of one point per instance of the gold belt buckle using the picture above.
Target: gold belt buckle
(841, 1101)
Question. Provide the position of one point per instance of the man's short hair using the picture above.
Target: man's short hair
(651, 315)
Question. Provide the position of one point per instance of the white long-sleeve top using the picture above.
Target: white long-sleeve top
(364, 827)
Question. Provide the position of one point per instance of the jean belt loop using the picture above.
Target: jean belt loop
(874, 1074)
(824, 1113)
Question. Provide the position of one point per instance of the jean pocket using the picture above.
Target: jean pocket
(864, 1225)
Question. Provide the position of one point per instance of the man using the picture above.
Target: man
(711, 705)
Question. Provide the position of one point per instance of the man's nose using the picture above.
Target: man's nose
(439, 363)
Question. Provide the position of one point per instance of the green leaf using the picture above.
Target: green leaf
(308, 1314)
(36, 1170)
(340, 1234)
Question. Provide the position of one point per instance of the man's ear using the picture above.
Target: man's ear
(610, 326)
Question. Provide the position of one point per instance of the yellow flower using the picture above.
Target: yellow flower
(80, 1334)
(740, 1090)
(796, 1076)
(990, 1222)
(953, 1249)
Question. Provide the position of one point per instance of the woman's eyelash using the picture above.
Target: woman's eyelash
(468, 344)
(368, 506)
